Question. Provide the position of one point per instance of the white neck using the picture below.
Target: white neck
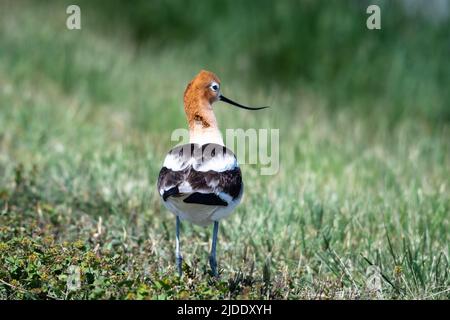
(200, 135)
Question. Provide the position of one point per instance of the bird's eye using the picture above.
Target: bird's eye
(214, 87)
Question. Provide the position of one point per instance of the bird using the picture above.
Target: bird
(201, 181)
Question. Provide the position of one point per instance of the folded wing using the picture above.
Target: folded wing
(197, 183)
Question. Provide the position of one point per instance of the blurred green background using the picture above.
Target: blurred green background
(323, 46)
(86, 117)
(318, 46)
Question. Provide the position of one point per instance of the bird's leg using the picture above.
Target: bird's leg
(212, 257)
(177, 248)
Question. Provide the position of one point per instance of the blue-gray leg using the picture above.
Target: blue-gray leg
(212, 257)
(177, 248)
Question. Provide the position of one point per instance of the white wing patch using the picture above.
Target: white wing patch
(176, 163)
(219, 163)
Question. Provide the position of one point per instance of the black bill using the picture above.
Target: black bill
(224, 99)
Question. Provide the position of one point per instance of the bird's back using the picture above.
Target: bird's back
(200, 183)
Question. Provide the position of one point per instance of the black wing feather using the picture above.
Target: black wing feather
(210, 199)
(171, 192)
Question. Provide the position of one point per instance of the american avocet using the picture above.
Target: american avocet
(201, 181)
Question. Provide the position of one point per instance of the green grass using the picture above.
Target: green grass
(85, 122)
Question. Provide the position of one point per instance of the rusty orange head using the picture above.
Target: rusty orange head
(201, 93)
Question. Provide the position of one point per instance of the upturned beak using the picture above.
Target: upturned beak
(225, 99)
